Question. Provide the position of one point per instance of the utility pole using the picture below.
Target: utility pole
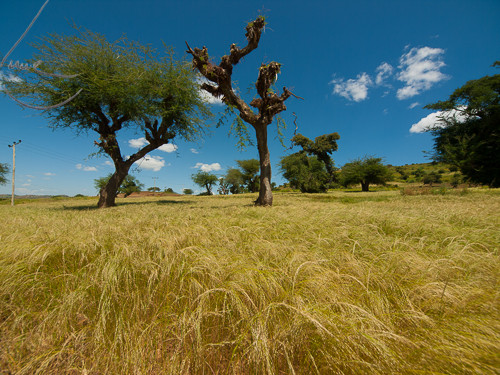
(154, 183)
(13, 145)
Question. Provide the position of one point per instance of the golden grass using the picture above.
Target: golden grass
(338, 283)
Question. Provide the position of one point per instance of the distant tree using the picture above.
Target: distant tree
(169, 190)
(125, 85)
(456, 180)
(129, 185)
(268, 104)
(250, 173)
(234, 178)
(471, 141)
(206, 180)
(223, 186)
(322, 147)
(154, 189)
(4, 169)
(306, 173)
(432, 178)
(366, 171)
(188, 191)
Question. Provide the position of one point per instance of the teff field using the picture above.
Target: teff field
(338, 283)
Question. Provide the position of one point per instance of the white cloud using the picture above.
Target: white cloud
(86, 168)
(194, 151)
(108, 162)
(10, 77)
(413, 105)
(169, 147)
(384, 71)
(420, 70)
(49, 174)
(141, 142)
(154, 163)
(206, 96)
(434, 120)
(137, 143)
(353, 89)
(208, 167)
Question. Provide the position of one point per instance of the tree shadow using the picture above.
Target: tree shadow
(94, 206)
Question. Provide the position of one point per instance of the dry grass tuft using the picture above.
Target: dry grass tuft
(339, 283)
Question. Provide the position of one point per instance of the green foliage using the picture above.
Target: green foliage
(250, 174)
(188, 191)
(154, 189)
(206, 180)
(472, 145)
(169, 190)
(129, 185)
(4, 169)
(431, 178)
(235, 180)
(238, 127)
(368, 170)
(322, 147)
(306, 173)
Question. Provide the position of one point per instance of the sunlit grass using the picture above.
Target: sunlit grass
(338, 283)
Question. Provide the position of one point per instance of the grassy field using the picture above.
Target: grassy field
(338, 283)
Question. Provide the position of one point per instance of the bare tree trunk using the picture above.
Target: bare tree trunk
(364, 186)
(265, 192)
(108, 192)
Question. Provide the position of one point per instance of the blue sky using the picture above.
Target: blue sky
(364, 68)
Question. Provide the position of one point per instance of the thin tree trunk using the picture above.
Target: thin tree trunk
(265, 192)
(108, 192)
(364, 186)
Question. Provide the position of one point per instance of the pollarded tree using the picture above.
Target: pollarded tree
(471, 141)
(268, 105)
(206, 180)
(4, 169)
(366, 171)
(125, 85)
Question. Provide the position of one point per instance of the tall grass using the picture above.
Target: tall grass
(342, 283)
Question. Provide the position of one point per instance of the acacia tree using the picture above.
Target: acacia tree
(206, 180)
(471, 141)
(366, 171)
(124, 85)
(268, 105)
(250, 173)
(322, 147)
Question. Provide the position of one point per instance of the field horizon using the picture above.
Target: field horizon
(338, 283)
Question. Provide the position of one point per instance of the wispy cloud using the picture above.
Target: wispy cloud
(169, 147)
(413, 105)
(8, 78)
(353, 89)
(208, 167)
(435, 120)
(420, 70)
(383, 71)
(86, 168)
(194, 151)
(49, 174)
(108, 162)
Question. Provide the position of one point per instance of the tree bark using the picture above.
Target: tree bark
(107, 195)
(364, 186)
(265, 192)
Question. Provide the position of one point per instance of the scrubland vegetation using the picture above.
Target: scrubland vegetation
(338, 283)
